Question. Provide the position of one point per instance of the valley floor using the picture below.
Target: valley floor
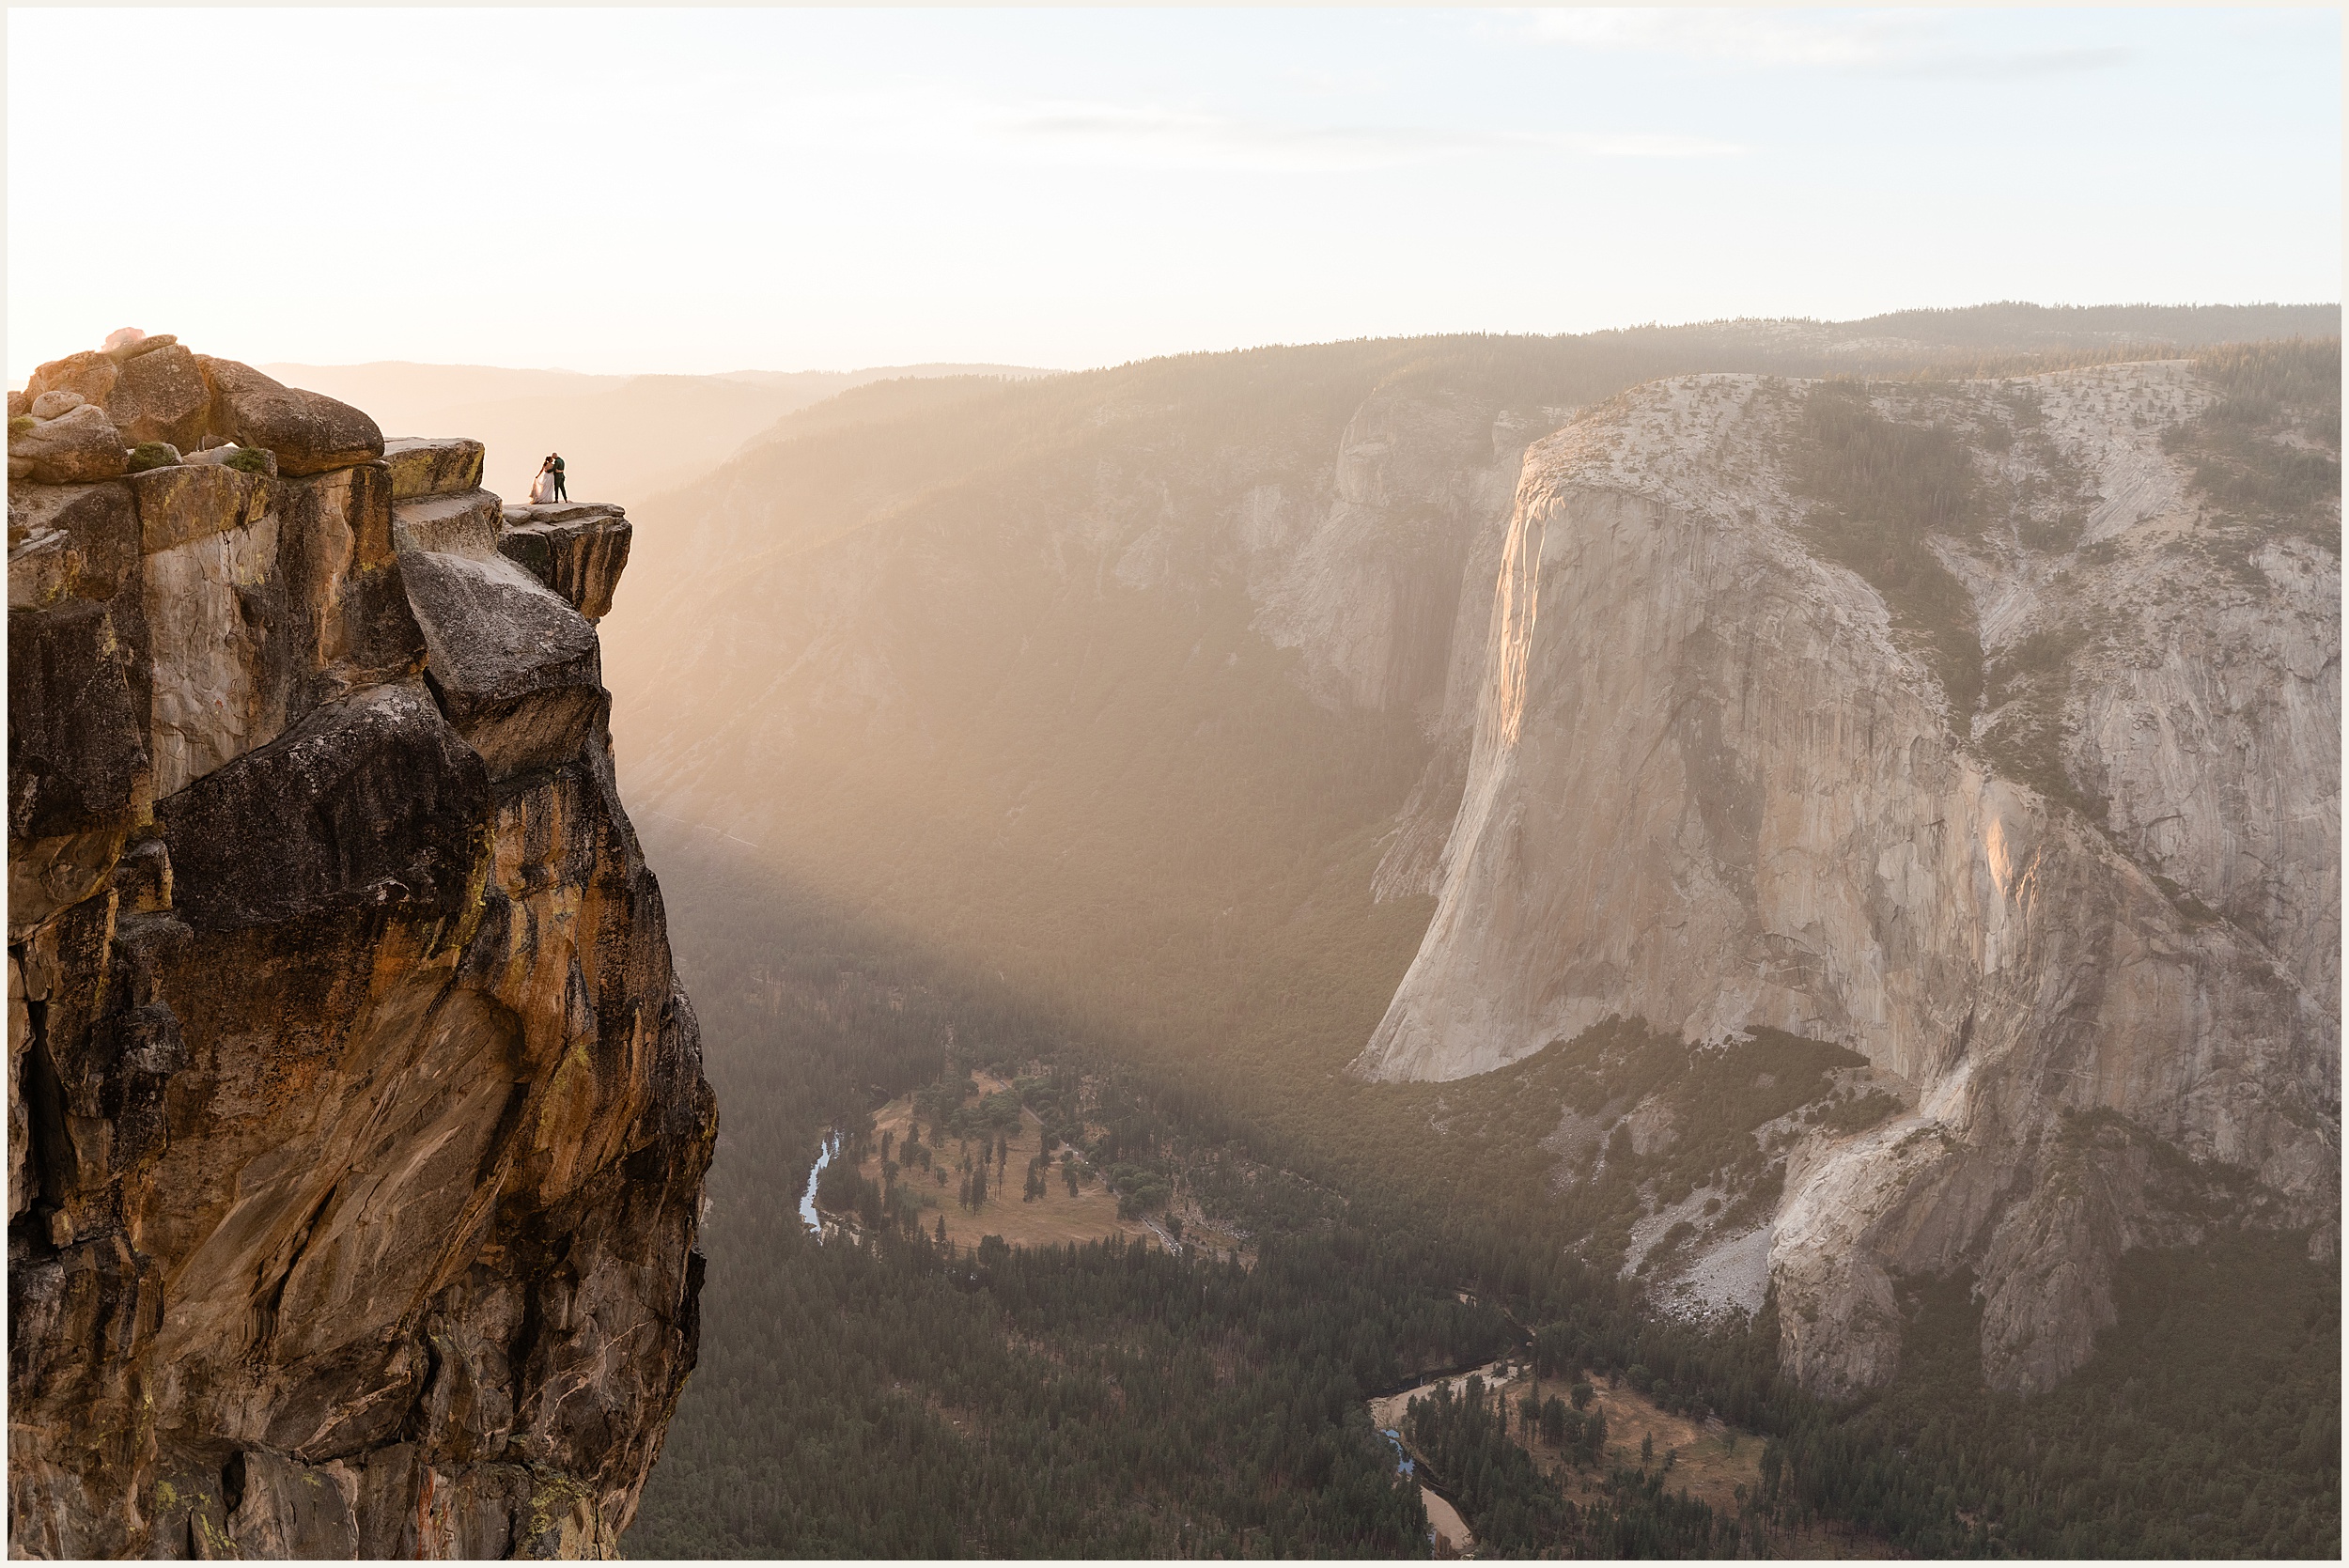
(1056, 1216)
(1706, 1460)
(1055, 1378)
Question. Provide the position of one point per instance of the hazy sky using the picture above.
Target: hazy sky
(700, 190)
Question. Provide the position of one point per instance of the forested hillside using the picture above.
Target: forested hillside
(885, 1397)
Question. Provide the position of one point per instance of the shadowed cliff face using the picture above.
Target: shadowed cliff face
(357, 1122)
(1728, 771)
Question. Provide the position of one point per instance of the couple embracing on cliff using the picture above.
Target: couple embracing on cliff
(549, 484)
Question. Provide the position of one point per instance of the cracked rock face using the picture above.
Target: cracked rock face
(578, 550)
(356, 1119)
(1717, 782)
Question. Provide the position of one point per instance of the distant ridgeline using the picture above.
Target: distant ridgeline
(356, 1120)
(1832, 829)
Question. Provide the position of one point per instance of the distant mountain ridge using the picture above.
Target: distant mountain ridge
(2011, 325)
(623, 438)
(628, 438)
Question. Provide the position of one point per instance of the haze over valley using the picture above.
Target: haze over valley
(633, 436)
(1503, 785)
(1176, 703)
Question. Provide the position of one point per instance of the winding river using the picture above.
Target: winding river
(824, 1151)
(1386, 1414)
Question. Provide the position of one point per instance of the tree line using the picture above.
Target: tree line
(885, 1395)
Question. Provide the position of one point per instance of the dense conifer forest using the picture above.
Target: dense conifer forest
(880, 1394)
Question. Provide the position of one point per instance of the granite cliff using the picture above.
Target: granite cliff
(357, 1124)
(1989, 729)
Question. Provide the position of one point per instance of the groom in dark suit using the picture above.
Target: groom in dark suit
(560, 493)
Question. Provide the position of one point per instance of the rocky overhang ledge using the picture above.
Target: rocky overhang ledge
(357, 1124)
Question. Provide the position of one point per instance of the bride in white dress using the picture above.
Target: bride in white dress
(542, 488)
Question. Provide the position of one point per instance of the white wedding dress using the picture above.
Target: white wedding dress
(542, 488)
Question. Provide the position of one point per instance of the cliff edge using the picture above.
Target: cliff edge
(357, 1124)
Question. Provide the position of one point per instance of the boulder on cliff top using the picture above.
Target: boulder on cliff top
(160, 396)
(79, 444)
(309, 431)
(432, 465)
(129, 343)
(90, 373)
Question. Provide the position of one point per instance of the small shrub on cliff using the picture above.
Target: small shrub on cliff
(151, 454)
(251, 460)
(1859, 1112)
(2027, 689)
(22, 424)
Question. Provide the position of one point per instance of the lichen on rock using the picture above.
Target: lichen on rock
(357, 1124)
